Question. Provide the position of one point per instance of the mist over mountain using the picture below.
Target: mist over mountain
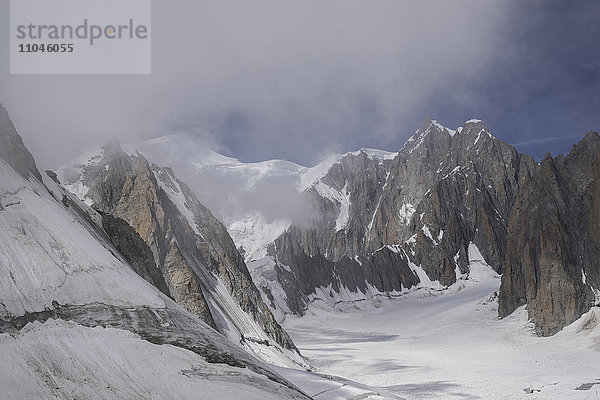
(302, 80)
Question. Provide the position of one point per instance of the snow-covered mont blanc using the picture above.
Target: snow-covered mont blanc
(454, 268)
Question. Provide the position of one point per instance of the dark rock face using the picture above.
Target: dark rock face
(12, 149)
(443, 191)
(135, 251)
(189, 245)
(553, 244)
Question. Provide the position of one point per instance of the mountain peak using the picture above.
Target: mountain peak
(420, 136)
(586, 146)
(591, 136)
(13, 150)
(477, 128)
(428, 124)
(547, 157)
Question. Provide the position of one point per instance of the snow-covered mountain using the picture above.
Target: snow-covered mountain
(256, 201)
(83, 313)
(376, 222)
(199, 263)
(77, 321)
(146, 295)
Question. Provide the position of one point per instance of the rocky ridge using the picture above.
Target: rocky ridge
(553, 240)
(420, 212)
(13, 151)
(200, 264)
(447, 200)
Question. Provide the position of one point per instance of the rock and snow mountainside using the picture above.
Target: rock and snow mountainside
(76, 320)
(408, 222)
(384, 223)
(200, 265)
(553, 254)
(241, 184)
(449, 198)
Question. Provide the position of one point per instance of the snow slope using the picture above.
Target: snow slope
(48, 255)
(254, 232)
(54, 260)
(429, 345)
(59, 359)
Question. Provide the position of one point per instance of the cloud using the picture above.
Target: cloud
(546, 140)
(230, 189)
(294, 79)
(300, 79)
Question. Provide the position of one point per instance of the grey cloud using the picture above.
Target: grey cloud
(298, 80)
(228, 196)
(269, 79)
(546, 139)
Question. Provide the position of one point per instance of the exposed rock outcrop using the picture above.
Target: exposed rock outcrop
(553, 247)
(135, 251)
(378, 220)
(189, 245)
(13, 151)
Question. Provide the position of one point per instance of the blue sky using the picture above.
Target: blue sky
(545, 97)
(299, 79)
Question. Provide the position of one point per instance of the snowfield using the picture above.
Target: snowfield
(48, 255)
(59, 359)
(430, 344)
